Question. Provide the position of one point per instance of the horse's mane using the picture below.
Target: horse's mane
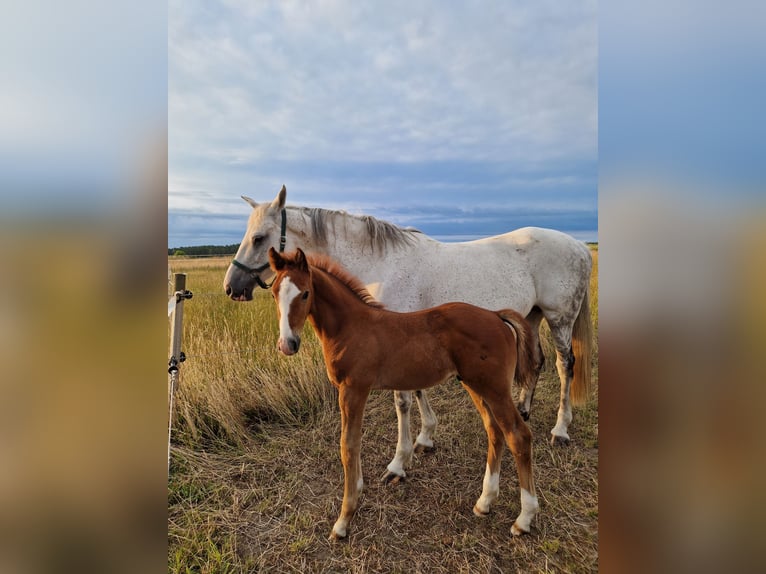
(335, 269)
(381, 234)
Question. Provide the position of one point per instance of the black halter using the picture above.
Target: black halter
(255, 271)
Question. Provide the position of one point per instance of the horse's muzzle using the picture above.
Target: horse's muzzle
(244, 295)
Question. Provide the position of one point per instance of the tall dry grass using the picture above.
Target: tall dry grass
(268, 503)
(234, 380)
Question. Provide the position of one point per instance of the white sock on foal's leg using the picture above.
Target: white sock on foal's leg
(529, 508)
(490, 490)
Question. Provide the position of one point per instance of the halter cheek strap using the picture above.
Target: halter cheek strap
(257, 270)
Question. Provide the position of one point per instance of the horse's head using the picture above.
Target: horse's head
(293, 295)
(250, 266)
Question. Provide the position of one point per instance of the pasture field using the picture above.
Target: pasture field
(256, 480)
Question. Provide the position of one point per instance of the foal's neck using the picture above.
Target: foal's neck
(333, 305)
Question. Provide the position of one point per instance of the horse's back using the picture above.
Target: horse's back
(519, 269)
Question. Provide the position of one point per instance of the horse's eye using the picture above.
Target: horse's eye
(305, 295)
(257, 239)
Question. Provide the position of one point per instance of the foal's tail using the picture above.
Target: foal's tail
(525, 356)
(582, 335)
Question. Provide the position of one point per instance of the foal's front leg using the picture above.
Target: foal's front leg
(404, 448)
(351, 403)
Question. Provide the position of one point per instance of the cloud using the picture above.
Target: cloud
(341, 99)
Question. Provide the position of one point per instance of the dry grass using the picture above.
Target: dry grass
(261, 490)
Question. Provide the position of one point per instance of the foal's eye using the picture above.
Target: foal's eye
(305, 295)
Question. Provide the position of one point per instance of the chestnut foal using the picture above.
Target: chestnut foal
(367, 347)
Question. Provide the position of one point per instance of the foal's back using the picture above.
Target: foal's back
(408, 351)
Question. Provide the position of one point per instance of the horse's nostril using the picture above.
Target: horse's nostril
(228, 289)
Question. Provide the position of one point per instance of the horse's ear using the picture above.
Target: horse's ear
(276, 261)
(279, 200)
(300, 260)
(250, 201)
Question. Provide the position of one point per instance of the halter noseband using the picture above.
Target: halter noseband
(257, 270)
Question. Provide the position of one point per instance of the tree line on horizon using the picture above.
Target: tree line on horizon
(200, 250)
(209, 250)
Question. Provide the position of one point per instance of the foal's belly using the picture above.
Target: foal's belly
(414, 382)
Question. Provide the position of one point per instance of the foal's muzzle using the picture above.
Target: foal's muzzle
(290, 345)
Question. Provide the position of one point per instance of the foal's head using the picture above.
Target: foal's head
(293, 295)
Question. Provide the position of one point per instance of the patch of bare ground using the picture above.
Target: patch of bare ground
(256, 480)
(270, 506)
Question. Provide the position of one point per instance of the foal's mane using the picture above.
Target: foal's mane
(335, 269)
(381, 234)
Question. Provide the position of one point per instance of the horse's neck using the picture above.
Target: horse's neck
(347, 236)
(332, 302)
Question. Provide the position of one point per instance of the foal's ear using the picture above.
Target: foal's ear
(276, 261)
(300, 260)
(279, 200)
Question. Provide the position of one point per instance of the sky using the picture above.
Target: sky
(463, 120)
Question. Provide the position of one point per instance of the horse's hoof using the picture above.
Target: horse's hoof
(516, 531)
(559, 440)
(522, 411)
(392, 478)
(423, 449)
(480, 513)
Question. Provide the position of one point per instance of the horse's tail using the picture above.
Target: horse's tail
(525, 356)
(582, 335)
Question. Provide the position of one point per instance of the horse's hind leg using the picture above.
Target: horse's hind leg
(526, 395)
(561, 332)
(495, 447)
(403, 457)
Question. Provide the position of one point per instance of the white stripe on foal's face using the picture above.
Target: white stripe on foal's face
(288, 291)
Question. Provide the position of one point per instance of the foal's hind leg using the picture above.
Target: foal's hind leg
(519, 439)
(495, 447)
(526, 395)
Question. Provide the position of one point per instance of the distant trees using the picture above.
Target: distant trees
(198, 250)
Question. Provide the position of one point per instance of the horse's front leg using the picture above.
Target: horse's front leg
(403, 457)
(351, 403)
(424, 442)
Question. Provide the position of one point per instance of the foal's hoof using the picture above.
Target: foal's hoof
(335, 537)
(516, 531)
(392, 478)
(479, 512)
(421, 449)
(559, 440)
